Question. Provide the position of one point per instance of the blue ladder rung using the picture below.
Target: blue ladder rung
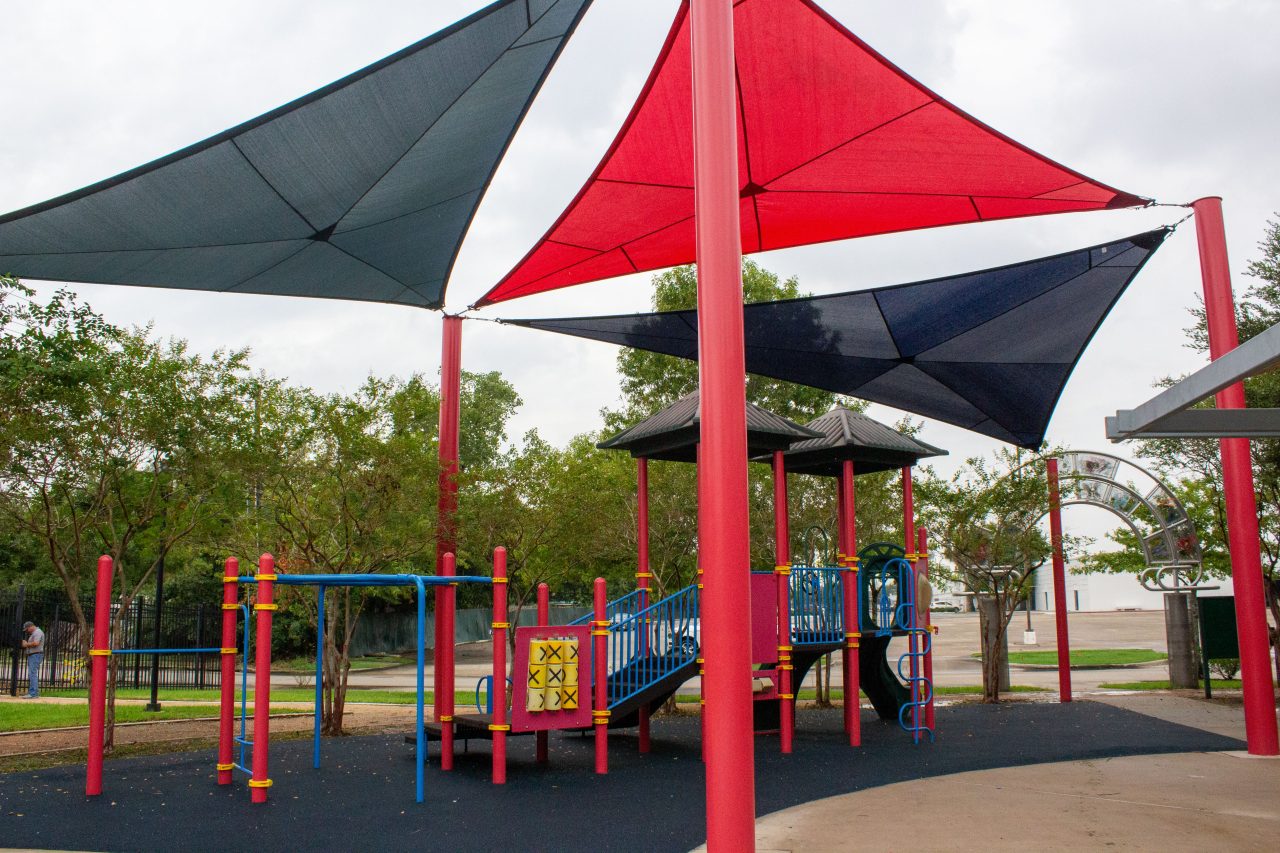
(243, 741)
(244, 769)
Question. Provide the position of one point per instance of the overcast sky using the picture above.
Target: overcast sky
(1170, 100)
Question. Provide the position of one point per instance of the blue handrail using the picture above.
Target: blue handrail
(651, 644)
(486, 681)
(626, 606)
(919, 644)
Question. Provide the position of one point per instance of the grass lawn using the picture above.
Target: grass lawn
(34, 715)
(279, 694)
(1089, 657)
(1224, 684)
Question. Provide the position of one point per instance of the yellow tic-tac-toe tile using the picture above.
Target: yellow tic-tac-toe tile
(571, 650)
(569, 697)
(537, 677)
(537, 652)
(552, 702)
(536, 700)
(570, 675)
(555, 651)
(555, 675)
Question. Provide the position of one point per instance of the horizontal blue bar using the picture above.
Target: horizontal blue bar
(165, 651)
(369, 580)
(244, 769)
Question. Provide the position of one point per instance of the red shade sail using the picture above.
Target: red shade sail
(834, 142)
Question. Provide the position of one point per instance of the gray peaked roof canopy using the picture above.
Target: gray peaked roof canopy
(361, 190)
(672, 433)
(989, 351)
(846, 434)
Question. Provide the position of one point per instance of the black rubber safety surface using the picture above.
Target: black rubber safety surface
(362, 799)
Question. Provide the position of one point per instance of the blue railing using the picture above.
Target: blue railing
(919, 643)
(620, 608)
(817, 605)
(650, 644)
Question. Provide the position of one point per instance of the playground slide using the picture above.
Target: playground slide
(879, 682)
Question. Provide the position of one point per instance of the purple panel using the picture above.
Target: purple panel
(524, 720)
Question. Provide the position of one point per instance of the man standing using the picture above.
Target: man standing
(34, 644)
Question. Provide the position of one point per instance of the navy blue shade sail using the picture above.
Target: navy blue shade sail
(989, 351)
(361, 190)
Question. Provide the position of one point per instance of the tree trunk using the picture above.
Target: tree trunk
(995, 648)
(1179, 636)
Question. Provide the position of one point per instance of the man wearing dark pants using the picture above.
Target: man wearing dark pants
(34, 645)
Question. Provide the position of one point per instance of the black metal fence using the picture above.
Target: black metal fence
(64, 664)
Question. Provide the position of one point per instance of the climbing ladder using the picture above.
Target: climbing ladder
(899, 572)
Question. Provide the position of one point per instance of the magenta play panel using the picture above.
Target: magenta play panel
(551, 678)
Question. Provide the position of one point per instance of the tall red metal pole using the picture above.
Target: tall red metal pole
(852, 634)
(782, 568)
(908, 515)
(725, 550)
(262, 608)
(1059, 582)
(643, 575)
(98, 676)
(922, 570)
(600, 674)
(1244, 539)
(499, 727)
(447, 492)
(445, 608)
(226, 715)
(544, 618)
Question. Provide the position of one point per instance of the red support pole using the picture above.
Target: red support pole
(1244, 539)
(544, 619)
(782, 568)
(446, 607)
(499, 727)
(922, 567)
(1059, 582)
(908, 515)
(643, 575)
(852, 633)
(447, 493)
(724, 538)
(98, 676)
(263, 609)
(600, 674)
(226, 715)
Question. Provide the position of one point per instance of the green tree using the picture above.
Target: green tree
(984, 518)
(1196, 463)
(112, 443)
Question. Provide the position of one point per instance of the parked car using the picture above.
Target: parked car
(945, 607)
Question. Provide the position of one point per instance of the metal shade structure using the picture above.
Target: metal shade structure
(833, 142)
(671, 434)
(1170, 414)
(989, 351)
(849, 435)
(360, 190)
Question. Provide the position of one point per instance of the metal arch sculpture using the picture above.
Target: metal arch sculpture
(1147, 506)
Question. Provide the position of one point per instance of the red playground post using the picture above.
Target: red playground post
(499, 727)
(446, 604)
(98, 685)
(226, 715)
(600, 674)
(643, 575)
(852, 634)
(263, 609)
(1059, 582)
(724, 548)
(544, 618)
(1243, 536)
(447, 491)
(922, 569)
(782, 567)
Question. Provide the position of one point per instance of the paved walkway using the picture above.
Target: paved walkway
(1187, 801)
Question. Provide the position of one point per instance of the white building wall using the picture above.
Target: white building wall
(1104, 591)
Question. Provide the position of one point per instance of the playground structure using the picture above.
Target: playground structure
(255, 619)
(251, 210)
